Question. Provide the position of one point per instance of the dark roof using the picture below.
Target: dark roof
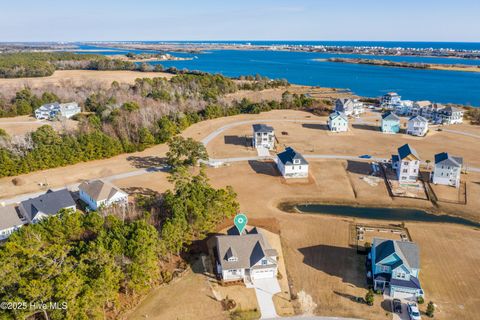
(337, 114)
(289, 155)
(48, 203)
(412, 283)
(390, 116)
(262, 128)
(383, 250)
(449, 160)
(395, 158)
(383, 276)
(405, 150)
(406, 251)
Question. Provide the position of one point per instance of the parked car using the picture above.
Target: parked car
(413, 311)
(365, 156)
(397, 305)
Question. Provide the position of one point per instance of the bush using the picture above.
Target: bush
(430, 309)
(228, 304)
(369, 297)
(420, 300)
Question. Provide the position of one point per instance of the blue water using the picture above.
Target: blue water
(365, 80)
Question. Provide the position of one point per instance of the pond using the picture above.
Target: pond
(376, 213)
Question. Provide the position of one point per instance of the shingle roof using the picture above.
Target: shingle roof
(412, 283)
(418, 118)
(407, 251)
(390, 116)
(449, 160)
(99, 190)
(262, 128)
(289, 155)
(49, 203)
(9, 217)
(423, 103)
(248, 249)
(406, 151)
(337, 114)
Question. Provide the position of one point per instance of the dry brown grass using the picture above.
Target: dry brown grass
(23, 124)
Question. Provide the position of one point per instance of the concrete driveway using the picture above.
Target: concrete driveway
(265, 289)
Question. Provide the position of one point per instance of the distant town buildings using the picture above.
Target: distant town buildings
(407, 164)
(350, 107)
(245, 257)
(338, 122)
(390, 122)
(99, 193)
(417, 126)
(447, 170)
(292, 164)
(53, 110)
(263, 136)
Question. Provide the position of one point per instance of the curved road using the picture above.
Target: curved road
(212, 161)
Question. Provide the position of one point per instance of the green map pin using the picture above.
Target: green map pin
(240, 222)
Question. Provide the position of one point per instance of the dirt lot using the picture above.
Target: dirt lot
(23, 124)
(79, 77)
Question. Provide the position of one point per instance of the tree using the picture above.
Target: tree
(430, 309)
(185, 152)
(3, 133)
(370, 297)
(146, 138)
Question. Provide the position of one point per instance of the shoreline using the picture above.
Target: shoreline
(407, 65)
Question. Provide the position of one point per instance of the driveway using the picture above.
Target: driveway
(265, 289)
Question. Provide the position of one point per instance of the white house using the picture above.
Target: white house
(450, 115)
(407, 164)
(418, 106)
(292, 164)
(338, 122)
(350, 107)
(403, 108)
(447, 170)
(263, 136)
(9, 221)
(52, 110)
(245, 257)
(99, 193)
(417, 126)
(47, 204)
(390, 99)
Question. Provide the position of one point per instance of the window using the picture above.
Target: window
(264, 262)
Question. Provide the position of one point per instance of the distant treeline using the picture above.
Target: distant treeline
(110, 128)
(42, 64)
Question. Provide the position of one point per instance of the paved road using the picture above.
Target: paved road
(212, 161)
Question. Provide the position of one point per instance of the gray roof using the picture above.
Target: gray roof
(418, 118)
(99, 190)
(49, 203)
(405, 150)
(9, 217)
(412, 283)
(337, 114)
(407, 251)
(390, 116)
(248, 249)
(449, 160)
(449, 110)
(289, 155)
(262, 128)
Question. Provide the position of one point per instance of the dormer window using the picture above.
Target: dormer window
(232, 259)
(296, 161)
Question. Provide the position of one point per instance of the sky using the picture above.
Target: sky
(370, 20)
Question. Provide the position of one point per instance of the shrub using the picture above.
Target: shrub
(369, 297)
(430, 309)
(420, 300)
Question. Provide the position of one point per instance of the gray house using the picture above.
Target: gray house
(245, 257)
(53, 110)
(447, 170)
(47, 204)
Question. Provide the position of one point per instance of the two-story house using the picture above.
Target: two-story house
(417, 126)
(390, 123)
(337, 122)
(99, 193)
(450, 115)
(395, 266)
(246, 257)
(53, 110)
(263, 136)
(46, 205)
(406, 163)
(447, 170)
(10, 221)
(390, 99)
(350, 107)
(292, 164)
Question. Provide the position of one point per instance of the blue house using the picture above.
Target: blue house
(390, 123)
(395, 268)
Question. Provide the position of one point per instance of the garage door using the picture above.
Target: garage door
(262, 274)
(399, 294)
